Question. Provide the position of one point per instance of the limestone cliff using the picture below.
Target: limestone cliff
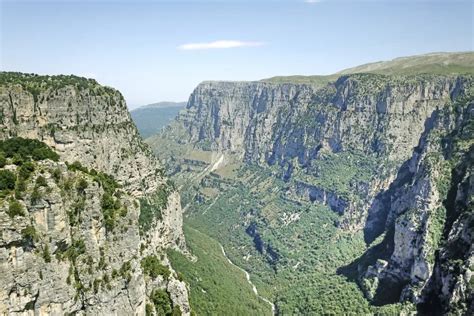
(267, 122)
(373, 148)
(428, 217)
(101, 237)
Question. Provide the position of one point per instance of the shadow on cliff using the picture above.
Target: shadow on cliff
(380, 220)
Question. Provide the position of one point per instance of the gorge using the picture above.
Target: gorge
(349, 188)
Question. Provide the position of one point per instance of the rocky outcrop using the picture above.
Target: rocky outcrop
(98, 239)
(429, 210)
(314, 193)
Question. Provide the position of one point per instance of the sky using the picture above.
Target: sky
(161, 50)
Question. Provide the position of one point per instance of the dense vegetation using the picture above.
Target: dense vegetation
(110, 202)
(291, 247)
(23, 153)
(152, 267)
(36, 84)
(217, 287)
(22, 149)
(162, 304)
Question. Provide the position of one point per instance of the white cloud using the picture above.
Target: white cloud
(219, 45)
(312, 1)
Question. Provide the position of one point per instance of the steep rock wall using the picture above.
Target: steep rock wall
(88, 123)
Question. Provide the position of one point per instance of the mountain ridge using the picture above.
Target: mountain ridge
(295, 151)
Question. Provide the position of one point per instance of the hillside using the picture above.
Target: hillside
(434, 63)
(150, 119)
(87, 214)
(333, 194)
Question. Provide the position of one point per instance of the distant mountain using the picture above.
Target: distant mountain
(433, 63)
(151, 118)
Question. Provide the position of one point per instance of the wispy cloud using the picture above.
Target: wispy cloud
(313, 1)
(219, 45)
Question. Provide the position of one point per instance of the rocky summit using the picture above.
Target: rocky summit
(386, 147)
(86, 213)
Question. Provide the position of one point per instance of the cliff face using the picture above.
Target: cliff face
(90, 124)
(376, 119)
(428, 211)
(271, 123)
(96, 237)
(378, 150)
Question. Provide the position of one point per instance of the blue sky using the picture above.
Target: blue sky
(160, 50)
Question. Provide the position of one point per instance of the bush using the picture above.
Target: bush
(151, 266)
(29, 234)
(17, 159)
(35, 195)
(56, 175)
(176, 311)
(162, 302)
(3, 160)
(25, 170)
(77, 248)
(15, 208)
(46, 253)
(41, 182)
(7, 180)
(22, 149)
(81, 186)
(110, 209)
(149, 309)
(76, 166)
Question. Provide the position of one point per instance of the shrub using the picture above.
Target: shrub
(125, 270)
(150, 208)
(25, 170)
(35, 195)
(162, 302)
(109, 208)
(96, 285)
(149, 309)
(151, 266)
(41, 182)
(81, 186)
(176, 311)
(7, 180)
(114, 273)
(56, 175)
(46, 253)
(77, 166)
(28, 234)
(22, 149)
(77, 248)
(17, 159)
(3, 160)
(15, 208)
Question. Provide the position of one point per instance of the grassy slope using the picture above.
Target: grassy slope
(436, 63)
